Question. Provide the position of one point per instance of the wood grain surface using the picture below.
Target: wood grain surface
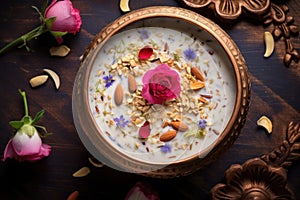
(275, 92)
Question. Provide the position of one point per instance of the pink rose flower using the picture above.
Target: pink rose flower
(26, 143)
(24, 147)
(59, 18)
(160, 84)
(67, 17)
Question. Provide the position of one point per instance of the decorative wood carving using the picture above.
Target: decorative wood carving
(288, 151)
(231, 9)
(283, 26)
(264, 177)
(271, 13)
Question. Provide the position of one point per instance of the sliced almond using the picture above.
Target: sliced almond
(188, 70)
(84, 171)
(167, 136)
(197, 85)
(60, 51)
(202, 99)
(132, 86)
(197, 73)
(179, 126)
(164, 124)
(266, 123)
(269, 44)
(124, 5)
(95, 163)
(38, 80)
(119, 94)
(54, 77)
(177, 65)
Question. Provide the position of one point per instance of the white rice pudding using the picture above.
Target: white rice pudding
(205, 110)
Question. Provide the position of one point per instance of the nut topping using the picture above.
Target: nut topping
(167, 136)
(178, 125)
(197, 73)
(119, 94)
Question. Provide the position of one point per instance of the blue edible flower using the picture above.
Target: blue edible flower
(108, 80)
(202, 123)
(189, 54)
(166, 148)
(121, 121)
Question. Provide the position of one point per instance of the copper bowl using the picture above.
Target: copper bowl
(182, 40)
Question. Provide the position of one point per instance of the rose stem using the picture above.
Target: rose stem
(25, 102)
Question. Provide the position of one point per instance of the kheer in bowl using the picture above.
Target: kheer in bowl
(161, 91)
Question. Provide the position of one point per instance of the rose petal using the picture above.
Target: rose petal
(44, 152)
(24, 148)
(9, 151)
(145, 53)
(25, 145)
(145, 130)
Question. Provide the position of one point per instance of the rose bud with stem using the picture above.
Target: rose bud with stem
(26, 144)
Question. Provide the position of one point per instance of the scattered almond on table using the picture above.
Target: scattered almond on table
(124, 5)
(84, 171)
(42, 79)
(54, 77)
(269, 44)
(38, 80)
(266, 123)
(95, 162)
(60, 51)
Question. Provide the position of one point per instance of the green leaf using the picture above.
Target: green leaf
(38, 11)
(44, 7)
(27, 120)
(16, 124)
(37, 117)
(58, 33)
(44, 130)
(49, 22)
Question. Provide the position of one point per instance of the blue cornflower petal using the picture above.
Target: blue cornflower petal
(166, 148)
(189, 54)
(109, 80)
(121, 121)
(202, 123)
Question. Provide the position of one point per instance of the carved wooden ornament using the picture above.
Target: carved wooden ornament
(267, 10)
(264, 177)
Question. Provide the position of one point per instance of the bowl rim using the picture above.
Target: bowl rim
(220, 36)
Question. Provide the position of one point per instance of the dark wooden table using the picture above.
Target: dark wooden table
(274, 92)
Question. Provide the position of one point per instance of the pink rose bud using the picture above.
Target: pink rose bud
(26, 143)
(67, 17)
(24, 146)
